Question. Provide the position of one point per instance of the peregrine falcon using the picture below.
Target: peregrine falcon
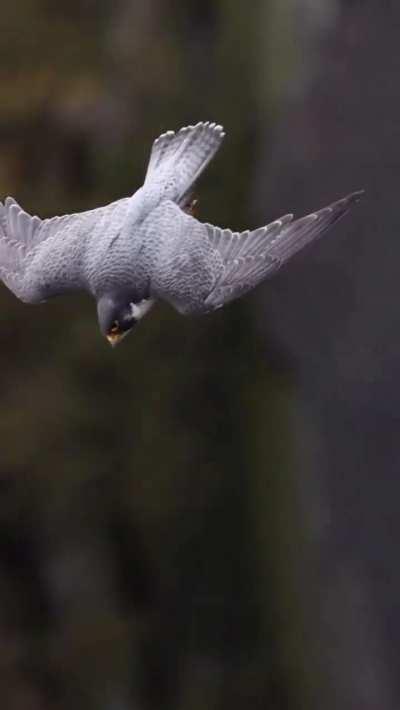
(149, 246)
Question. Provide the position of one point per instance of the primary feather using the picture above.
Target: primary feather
(250, 257)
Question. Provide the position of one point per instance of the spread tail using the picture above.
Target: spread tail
(178, 159)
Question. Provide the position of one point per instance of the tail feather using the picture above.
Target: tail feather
(178, 159)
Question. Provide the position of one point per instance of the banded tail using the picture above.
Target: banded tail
(178, 159)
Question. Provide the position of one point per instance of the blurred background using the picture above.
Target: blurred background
(207, 517)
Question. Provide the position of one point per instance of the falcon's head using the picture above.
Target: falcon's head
(117, 317)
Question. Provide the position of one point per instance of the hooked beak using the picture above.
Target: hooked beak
(115, 338)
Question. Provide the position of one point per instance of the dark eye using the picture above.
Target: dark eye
(115, 327)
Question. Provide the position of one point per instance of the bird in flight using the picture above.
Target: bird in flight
(149, 246)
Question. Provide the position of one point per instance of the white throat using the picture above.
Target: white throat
(140, 309)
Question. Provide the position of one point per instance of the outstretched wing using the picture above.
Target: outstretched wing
(178, 159)
(250, 257)
(24, 239)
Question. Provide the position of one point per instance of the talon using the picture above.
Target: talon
(192, 208)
